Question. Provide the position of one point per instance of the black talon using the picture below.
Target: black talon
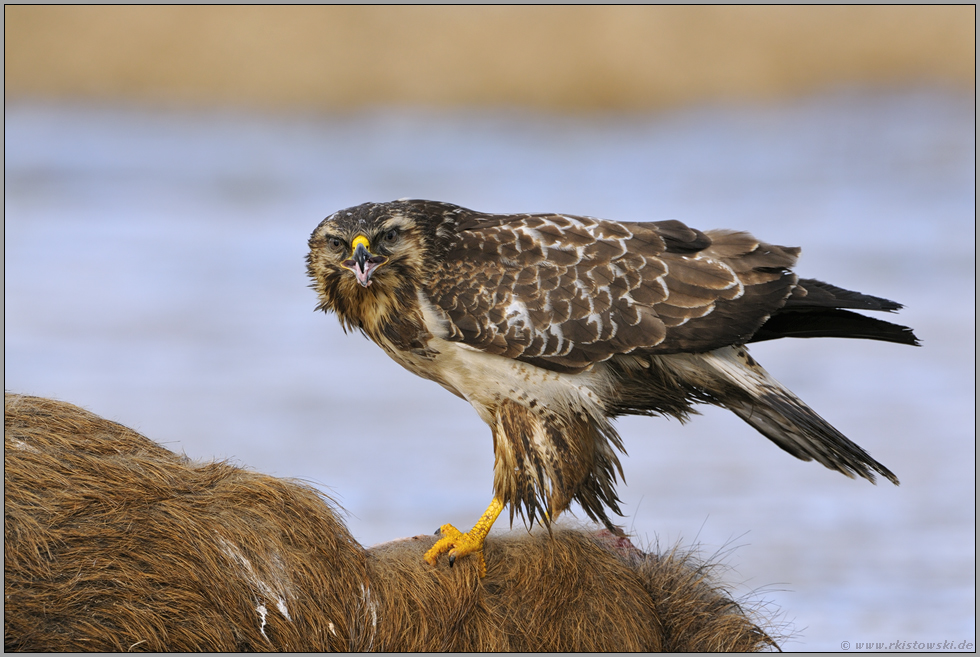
(437, 531)
(452, 560)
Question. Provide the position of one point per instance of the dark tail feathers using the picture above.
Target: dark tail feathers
(814, 310)
(784, 419)
(746, 389)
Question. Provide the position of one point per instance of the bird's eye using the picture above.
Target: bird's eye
(391, 235)
(334, 242)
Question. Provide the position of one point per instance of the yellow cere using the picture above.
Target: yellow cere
(360, 239)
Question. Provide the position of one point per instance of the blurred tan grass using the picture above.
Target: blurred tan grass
(571, 57)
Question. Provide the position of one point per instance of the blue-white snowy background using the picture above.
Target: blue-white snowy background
(154, 275)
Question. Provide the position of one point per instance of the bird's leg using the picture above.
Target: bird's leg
(458, 544)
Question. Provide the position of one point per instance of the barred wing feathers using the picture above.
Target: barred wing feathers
(563, 292)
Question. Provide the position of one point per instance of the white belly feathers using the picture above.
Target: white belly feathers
(485, 379)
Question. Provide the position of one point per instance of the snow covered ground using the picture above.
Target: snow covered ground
(154, 274)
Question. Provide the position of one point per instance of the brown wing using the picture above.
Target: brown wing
(564, 292)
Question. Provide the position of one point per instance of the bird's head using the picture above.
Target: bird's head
(366, 255)
(359, 254)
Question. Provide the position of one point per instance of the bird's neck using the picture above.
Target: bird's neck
(391, 317)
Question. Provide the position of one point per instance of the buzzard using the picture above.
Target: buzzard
(550, 325)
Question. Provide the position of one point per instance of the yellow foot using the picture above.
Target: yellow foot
(458, 544)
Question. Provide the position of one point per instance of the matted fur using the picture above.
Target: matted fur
(113, 543)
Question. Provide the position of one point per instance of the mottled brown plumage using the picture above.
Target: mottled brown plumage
(550, 325)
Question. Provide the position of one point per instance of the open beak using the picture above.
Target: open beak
(362, 262)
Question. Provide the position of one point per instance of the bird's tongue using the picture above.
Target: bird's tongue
(363, 274)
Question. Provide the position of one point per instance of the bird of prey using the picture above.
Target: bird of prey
(550, 325)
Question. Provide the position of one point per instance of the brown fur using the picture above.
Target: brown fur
(113, 543)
